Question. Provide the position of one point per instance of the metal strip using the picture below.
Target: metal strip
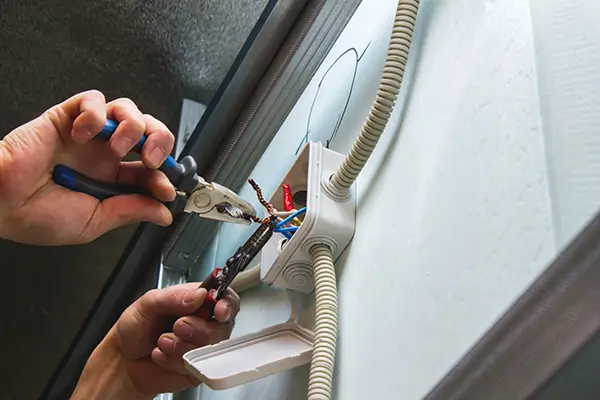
(293, 67)
(547, 325)
(213, 130)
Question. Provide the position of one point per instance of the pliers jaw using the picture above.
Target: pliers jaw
(213, 201)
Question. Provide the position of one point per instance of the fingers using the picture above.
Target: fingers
(167, 380)
(191, 332)
(159, 143)
(198, 333)
(169, 352)
(123, 210)
(132, 125)
(145, 320)
(83, 116)
(178, 300)
(170, 348)
(228, 307)
(201, 332)
(80, 117)
(92, 116)
(135, 173)
(169, 362)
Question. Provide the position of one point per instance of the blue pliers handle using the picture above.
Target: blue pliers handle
(182, 175)
(111, 126)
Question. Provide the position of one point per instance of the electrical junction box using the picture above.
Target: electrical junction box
(329, 220)
(286, 263)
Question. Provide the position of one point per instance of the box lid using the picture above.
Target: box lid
(246, 358)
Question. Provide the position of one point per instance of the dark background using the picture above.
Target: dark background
(155, 52)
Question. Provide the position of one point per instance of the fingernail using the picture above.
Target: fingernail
(82, 135)
(122, 146)
(228, 313)
(165, 218)
(191, 296)
(166, 345)
(156, 156)
(88, 132)
(183, 330)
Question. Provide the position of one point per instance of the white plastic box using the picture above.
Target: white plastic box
(287, 263)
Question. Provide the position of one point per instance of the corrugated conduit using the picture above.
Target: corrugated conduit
(323, 357)
(320, 380)
(389, 87)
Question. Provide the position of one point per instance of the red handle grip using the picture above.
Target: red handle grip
(207, 309)
(211, 281)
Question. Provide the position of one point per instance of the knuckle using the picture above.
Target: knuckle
(95, 93)
(150, 298)
(53, 115)
(149, 118)
(164, 141)
(135, 125)
(233, 296)
(125, 101)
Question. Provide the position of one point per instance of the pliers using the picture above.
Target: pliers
(194, 194)
(217, 282)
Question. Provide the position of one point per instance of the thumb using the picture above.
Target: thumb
(173, 301)
(122, 210)
(145, 320)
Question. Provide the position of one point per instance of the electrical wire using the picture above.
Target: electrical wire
(289, 229)
(381, 110)
(268, 206)
(291, 217)
(284, 214)
(287, 235)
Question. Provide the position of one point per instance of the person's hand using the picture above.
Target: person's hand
(33, 209)
(136, 360)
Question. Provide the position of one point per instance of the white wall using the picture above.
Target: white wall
(455, 214)
(567, 35)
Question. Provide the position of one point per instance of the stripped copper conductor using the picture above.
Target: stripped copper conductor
(256, 219)
(259, 194)
(262, 201)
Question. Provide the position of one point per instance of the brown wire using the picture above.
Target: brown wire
(255, 218)
(259, 194)
(262, 201)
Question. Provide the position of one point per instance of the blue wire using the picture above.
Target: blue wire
(290, 229)
(291, 217)
(286, 234)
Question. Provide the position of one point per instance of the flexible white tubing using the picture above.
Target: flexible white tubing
(320, 378)
(246, 280)
(389, 87)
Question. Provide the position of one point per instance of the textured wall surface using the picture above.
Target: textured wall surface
(454, 211)
(154, 52)
(567, 58)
